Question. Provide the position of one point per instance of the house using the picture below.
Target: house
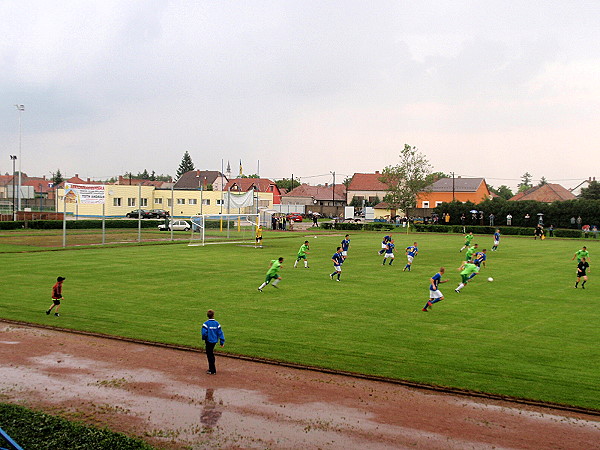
(583, 185)
(546, 193)
(256, 184)
(460, 189)
(307, 195)
(366, 187)
(194, 179)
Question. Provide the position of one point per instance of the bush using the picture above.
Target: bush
(77, 224)
(31, 429)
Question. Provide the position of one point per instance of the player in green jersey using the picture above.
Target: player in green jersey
(579, 254)
(272, 274)
(471, 252)
(466, 269)
(302, 255)
(468, 238)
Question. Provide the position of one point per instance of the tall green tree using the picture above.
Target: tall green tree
(543, 181)
(502, 191)
(186, 165)
(525, 182)
(57, 178)
(592, 192)
(286, 183)
(406, 179)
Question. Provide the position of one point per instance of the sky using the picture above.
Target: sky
(483, 88)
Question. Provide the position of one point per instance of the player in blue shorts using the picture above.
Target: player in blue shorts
(479, 259)
(435, 295)
(411, 252)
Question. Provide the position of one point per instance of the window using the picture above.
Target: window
(425, 204)
(192, 201)
(169, 202)
(181, 201)
(117, 201)
(206, 201)
(219, 201)
(144, 202)
(438, 203)
(158, 201)
(131, 201)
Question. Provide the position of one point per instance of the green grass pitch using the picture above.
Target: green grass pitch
(527, 334)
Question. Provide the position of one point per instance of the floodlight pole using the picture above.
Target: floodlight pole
(20, 108)
(13, 158)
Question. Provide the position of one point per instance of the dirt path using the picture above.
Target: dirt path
(165, 396)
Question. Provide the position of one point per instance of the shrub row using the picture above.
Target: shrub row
(77, 224)
(31, 429)
(476, 229)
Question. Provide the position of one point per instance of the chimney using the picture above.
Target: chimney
(88, 180)
(326, 184)
(377, 172)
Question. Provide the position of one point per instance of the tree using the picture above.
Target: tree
(592, 192)
(144, 175)
(543, 181)
(250, 176)
(347, 181)
(433, 177)
(502, 191)
(57, 178)
(406, 179)
(525, 182)
(286, 183)
(186, 165)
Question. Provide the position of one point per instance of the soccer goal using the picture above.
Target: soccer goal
(224, 228)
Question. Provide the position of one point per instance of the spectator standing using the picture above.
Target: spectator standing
(492, 217)
(579, 222)
(509, 219)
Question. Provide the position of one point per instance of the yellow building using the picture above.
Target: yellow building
(121, 199)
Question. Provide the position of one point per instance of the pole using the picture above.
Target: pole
(41, 197)
(172, 208)
(140, 212)
(64, 219)
(103, 223)
(20, 108)
(453, 186)
(222, 186)
(13, 158)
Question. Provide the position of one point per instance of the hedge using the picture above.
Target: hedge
(36, 430)
(77, 224)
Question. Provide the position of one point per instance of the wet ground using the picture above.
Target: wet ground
(165, 397)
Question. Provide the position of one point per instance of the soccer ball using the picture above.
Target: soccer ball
(490, 279)
(315, 237)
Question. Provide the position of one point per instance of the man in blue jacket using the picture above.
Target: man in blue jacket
(212, 334)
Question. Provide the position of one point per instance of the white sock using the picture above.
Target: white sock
(295, 264)
(460, 286)
(305, 263)
(275, 282)
(262, 285)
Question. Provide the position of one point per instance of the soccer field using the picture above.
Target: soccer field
(527, 334)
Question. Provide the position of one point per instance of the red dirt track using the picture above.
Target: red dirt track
(164, 396)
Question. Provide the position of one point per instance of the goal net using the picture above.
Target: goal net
(224, 228)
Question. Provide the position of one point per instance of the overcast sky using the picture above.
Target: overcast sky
(482, 88)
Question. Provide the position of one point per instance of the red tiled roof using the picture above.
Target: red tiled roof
(191, 179)
(546, 193)
(367, 182)
(246, 184)
(319, 192)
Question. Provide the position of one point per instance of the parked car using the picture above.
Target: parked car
(134, 214)
(159, 213)
(294, 217)
(175, 225)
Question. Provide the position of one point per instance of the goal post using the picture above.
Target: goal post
(223, 228)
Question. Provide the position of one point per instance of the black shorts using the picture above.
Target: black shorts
(56, 301)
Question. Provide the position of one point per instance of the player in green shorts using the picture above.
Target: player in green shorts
(471, 251)
(468, 238)
(302, 255)
(466, 269)
(579, 254)
(272, 274)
